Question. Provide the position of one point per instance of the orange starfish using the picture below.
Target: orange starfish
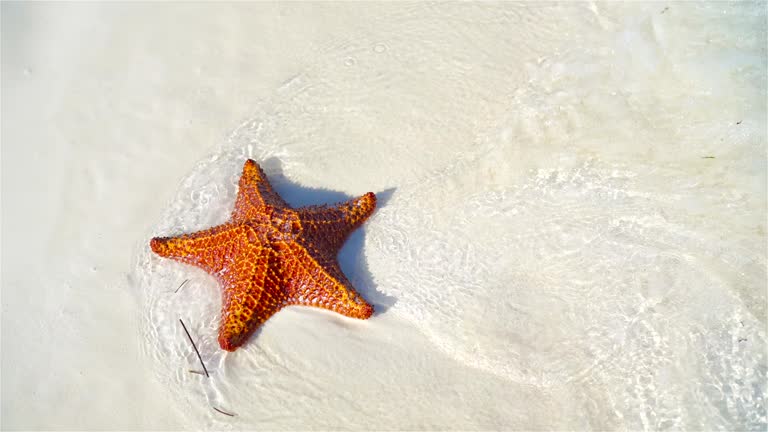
(269, 255)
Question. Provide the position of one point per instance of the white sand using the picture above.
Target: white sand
(572, 230)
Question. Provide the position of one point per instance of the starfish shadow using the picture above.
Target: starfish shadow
(350, 256)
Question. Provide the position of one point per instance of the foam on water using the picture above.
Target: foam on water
(573, 223)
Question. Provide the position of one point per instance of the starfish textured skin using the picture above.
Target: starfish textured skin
(269, 255)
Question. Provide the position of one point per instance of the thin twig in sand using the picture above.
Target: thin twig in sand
(224, 412)
(195, 347)
(182, 284)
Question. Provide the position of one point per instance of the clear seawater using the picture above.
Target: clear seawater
(571, 232)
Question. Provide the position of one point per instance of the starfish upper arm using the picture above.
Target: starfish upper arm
(254, 192)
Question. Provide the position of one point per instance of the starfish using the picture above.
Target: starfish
(269, 255)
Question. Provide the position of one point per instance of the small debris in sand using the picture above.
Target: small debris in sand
(195, 347)
(224, 412)
(182, 284)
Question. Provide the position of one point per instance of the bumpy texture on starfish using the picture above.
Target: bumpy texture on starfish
(269, 255)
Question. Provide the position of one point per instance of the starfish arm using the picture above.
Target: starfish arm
(310, 280)
(332, 225)
(252, 296)
(209, 249)
(254, 193)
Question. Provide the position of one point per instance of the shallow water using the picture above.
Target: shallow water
(572, 222)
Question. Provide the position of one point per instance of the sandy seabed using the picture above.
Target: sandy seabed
(571, 231)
